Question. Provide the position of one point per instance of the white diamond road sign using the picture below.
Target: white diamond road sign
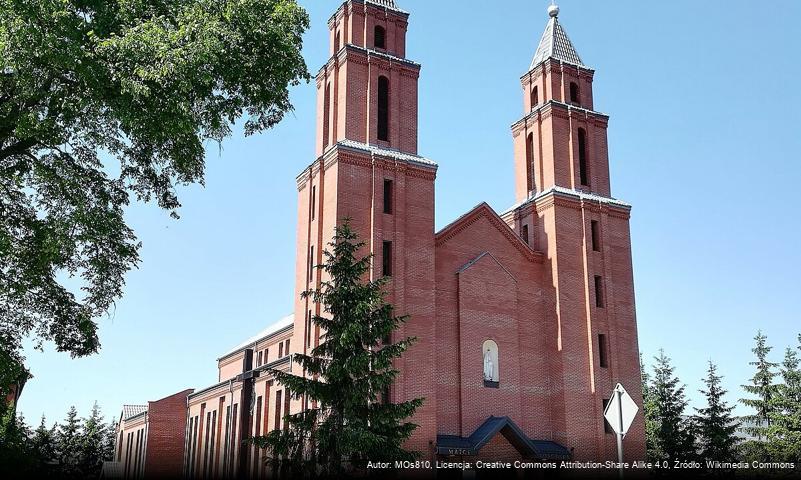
(620, 407)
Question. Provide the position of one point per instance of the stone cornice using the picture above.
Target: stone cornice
(355, 153)
(553, 64)
(564, 197)
(562, 110)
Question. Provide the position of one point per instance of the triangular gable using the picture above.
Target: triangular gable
(483, 210)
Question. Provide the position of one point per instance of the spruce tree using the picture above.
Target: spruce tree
(652, 446)
(93, 436)
(348, 420)
(110, 441)
(715, 425)
(43, 445)
(68, 445)
(673, 435)
(762, 388)
(784, 432)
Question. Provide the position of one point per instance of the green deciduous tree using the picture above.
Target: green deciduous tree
(672, 433)
(346, 375)
(784, 431)
(101, 100)
(762, 387)
(715, 426)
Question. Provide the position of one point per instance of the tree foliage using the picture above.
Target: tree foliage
(715, 426)
(346, 375)
(672, 436)
(101, 100)
(762, 387)
(650, 414)
(784, 430)
(73, 449)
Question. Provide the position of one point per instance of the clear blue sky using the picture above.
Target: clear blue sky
(704, 142)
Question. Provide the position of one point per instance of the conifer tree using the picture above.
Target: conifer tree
(93, 436)
(784, 432)
(673, 437)
(110, 441)
(715, 425)
(650, 413)
(68, 445)
(762, 388)
(43, 445)
(348, 420)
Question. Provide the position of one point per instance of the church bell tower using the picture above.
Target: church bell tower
(367, 169)
(564, 199)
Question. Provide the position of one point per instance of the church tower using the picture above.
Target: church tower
(565, 210)
(367, 169)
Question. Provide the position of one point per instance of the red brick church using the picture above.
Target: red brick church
(525, 318)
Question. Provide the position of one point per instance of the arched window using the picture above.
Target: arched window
(489, 363)
(574, 93)
(337, 45)
(535, 98)
(530, 163)
(582, 157)
(380, 37)
(383, 108)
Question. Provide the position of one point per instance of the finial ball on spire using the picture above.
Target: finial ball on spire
(553, 11)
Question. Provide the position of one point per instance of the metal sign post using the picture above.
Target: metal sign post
(620, 412)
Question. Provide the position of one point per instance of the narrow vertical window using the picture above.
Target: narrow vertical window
(387, 196)
(313, 201)
(386, 259)
(599, 292)
(213, 443)
(287, 397)
(258, 415)
(530, 162)
(260, 358)
(311, 263)
(535, 98)
(286, 348)
(206, 444)
(310, 329)
(607, 427)
(338, 43)
(278, 409)
(234, 433)
(227, 441)
(383, 108)
(380, 37)
(326, 109)
(596, 235)
(266, 355)
(524, 233)
(281, 350)
(582, 154)
(603, 353)
(574, 93)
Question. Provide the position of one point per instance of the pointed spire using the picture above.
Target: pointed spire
(555, 42)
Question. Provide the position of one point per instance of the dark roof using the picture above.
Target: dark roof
(541, 449)
(555, 44)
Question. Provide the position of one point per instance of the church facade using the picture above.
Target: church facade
(525, 318)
